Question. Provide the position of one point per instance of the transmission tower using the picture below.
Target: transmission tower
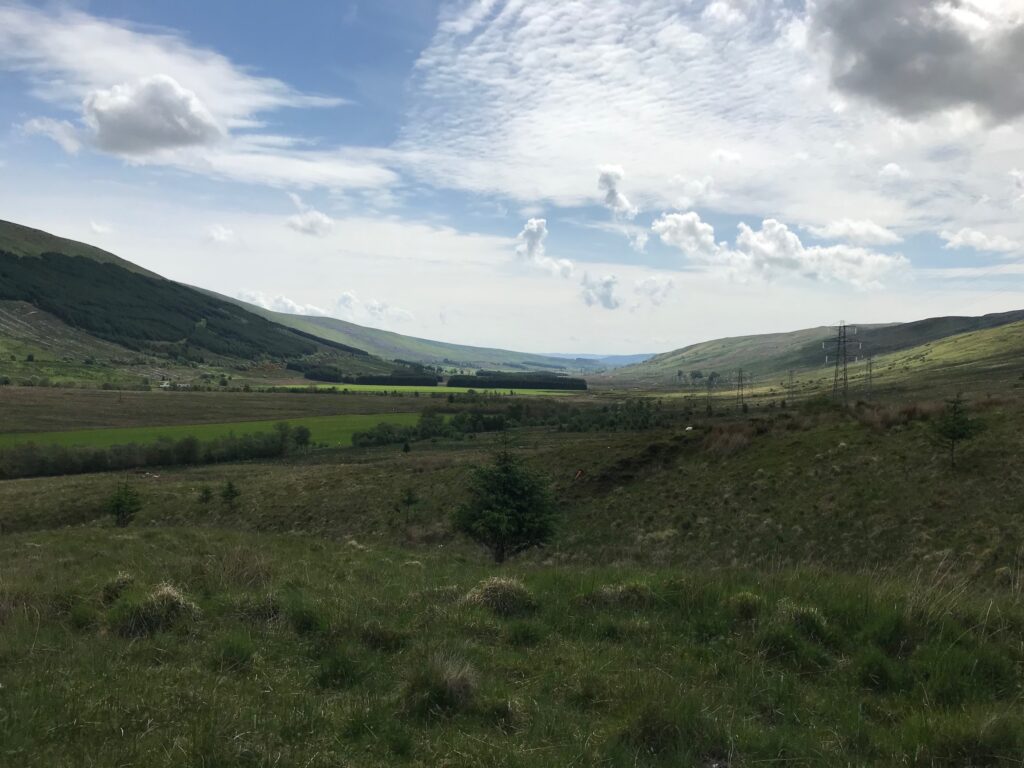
(841, 348)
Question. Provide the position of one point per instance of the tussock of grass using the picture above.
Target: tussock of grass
(633, 596)
(502, 596)
(745, 606)
(233, 653)
(162, 609)
(444, 684)
(116, 587)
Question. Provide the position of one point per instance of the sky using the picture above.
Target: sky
(583, 176)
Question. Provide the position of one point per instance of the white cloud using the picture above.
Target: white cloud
(654, 289)
(280, 304)
(893, 172)
(100, 228)
(155, 98)
(218, 233)
(691, 191)
(773, 251)
(859, 231)
(60, 131)
(608, 180)
(1018, 184)
(600, 291)
(688, 233)
(979, 241)
(309, 221)
(531, 250)
(372, 312)
(150, 114)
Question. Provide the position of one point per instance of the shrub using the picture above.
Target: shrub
(444, 685)
(510, 508)
(229, 494)
(502, 596)
(124, 504)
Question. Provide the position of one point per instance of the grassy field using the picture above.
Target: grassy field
(193, 647)
(439, 391)
(46, 409)
(330, 430)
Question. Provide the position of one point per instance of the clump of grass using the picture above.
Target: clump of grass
(258, 608)
(877, 672)
(745, 606)
(305, 617)
(676, 730)
(164, 608)
(444, 685)
(448, 593)
(83, 615)
(633, 596)
(233, 653)
(524, 634)
(381, 638)
(727, 439)
(116, 587)
(807, 620)
(502, 596)
(338, 670)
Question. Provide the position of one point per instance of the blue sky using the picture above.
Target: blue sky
(591, 176)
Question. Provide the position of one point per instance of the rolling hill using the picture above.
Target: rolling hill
(773, 355)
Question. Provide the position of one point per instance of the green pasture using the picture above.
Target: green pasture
(434, 391)
(334, 430)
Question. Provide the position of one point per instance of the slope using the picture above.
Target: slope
(772, 355)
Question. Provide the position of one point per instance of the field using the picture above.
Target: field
(439, 391)
(804, 584)
(329, 430)
(196, 646)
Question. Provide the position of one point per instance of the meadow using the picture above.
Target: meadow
(809, 585)
(328, 430)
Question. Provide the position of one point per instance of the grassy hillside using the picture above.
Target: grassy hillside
(771, 356)
(396, 346)
(25, 241)
(167, 647)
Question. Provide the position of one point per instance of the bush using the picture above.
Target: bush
(124, 504)
(229, 494)
(510, 508)
(502, 596)
(444, 685)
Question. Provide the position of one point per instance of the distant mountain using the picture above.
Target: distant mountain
(776, 353)
(396, 346)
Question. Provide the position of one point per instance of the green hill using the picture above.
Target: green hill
(773, 355)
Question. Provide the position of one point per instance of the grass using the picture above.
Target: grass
(331, 430)
(441, 391)
(225, 669)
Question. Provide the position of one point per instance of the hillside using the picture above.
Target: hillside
(773, 355)
(66, 305)
(396, 346)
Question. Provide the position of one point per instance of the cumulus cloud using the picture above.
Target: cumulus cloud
(188, 110)
(654, 289)
(600, 291)
(532, 251)
(688, 233)
(608, 180)
(147, 115)
(218, 233)
(979, 241)
(914, 57)
(774, 250)
(279, 303)
(60, 131)
(859, 231)
(690, 192)
(309, 221)
(371, 312)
